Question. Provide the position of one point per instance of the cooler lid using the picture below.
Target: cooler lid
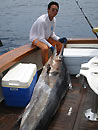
(20, 76)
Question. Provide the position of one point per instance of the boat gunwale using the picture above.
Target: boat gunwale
(14, 56)
(82, 41)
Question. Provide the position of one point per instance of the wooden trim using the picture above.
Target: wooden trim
(82, 41)
(12, 57)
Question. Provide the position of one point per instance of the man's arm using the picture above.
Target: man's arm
(46, 42)
(54, 36)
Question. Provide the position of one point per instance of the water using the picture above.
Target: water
(17, 17)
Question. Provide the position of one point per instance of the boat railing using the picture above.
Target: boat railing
(82, 43)
(14, 56)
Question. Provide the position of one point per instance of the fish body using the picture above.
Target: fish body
(51, 87)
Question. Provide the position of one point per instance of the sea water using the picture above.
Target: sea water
(17, 17)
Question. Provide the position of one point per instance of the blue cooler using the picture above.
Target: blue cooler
(18, 84)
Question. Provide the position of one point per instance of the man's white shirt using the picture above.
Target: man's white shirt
(42, 29)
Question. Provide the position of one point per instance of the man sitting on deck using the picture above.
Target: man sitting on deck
(42, 32)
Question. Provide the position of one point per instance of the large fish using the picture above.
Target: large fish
(51, 87)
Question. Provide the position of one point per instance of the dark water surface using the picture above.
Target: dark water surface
(17, 17)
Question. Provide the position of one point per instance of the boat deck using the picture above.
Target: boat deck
(78, 99)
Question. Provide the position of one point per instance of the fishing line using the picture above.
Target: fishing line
(86, 17)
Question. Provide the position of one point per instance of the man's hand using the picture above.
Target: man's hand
(63, 40)
(52, 49)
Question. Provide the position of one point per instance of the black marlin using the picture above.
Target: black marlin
(51, 87)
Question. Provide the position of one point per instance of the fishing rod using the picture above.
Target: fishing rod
(86, 17)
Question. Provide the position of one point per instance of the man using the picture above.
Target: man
(42, 33)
